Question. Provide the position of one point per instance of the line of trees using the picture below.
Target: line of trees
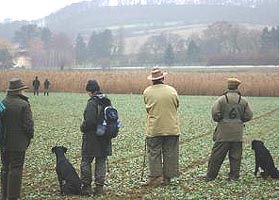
(222, 43)
(102, 49)
(168, 2)
(44, 47)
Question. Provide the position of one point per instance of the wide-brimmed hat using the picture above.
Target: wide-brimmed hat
(16, 84)
(233, 82)
(156, 74)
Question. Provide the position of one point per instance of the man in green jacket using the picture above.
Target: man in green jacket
(18, 130)
(162, 134)
(230, 111)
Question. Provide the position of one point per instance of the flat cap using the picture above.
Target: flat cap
(233, 82)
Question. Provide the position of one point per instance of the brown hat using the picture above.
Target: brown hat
(156, 74)
(233, 82)
(16, 84)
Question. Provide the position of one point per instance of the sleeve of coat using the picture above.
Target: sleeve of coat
(28, 123)
(216, 111)
(90, 118)
(248, 114)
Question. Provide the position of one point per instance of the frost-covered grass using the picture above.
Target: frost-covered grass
(57, 120)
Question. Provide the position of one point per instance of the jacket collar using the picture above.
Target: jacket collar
(16, 95)
(233, 91)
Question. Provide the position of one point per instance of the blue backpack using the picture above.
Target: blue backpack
(2, 133)
(108, 121)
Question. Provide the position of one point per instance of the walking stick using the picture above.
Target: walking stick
(144, 160)
(107, 166)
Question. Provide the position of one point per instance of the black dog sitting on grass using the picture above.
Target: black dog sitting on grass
(264, 160)
(68, 178)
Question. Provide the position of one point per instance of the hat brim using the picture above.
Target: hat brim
(18, 89)
(157, 78)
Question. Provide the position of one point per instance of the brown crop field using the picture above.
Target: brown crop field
(255, 83)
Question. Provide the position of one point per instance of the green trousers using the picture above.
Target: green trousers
(218, 155)
(11, 173)
(163, 154)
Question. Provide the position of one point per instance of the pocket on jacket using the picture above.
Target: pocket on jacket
(229, 132)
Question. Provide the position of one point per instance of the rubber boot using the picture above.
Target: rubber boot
(99, 190)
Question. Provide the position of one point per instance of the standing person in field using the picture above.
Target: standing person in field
(46, 86)
(162, 135)
(94, 146)
(36, 85)
(18, 129)
(230, 111)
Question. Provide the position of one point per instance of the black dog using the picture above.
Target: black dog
(264, 160)
(68, 178)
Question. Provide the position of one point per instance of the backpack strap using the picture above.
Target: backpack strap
(227, 99)
(99, 108)
(239, 98)
(2, 107)
(226, 96)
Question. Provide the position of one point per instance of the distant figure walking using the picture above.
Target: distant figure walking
(46, 86)
(162, 135)
(36, 85)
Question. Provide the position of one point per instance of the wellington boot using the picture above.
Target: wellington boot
(154, 181)
(86, 191)
(166, 181)
(99, 190)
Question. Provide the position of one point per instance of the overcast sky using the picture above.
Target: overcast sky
(30, 9)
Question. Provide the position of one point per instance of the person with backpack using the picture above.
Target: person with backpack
(18, 131)
(162, 135)
(230, 111)
(95, 143)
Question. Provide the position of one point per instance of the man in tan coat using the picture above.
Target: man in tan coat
(230, 111)
(162, 134)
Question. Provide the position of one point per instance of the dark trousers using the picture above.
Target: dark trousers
(36, 91)
(11, 173)
(163, 154)
(218, 154)
(46, 91)
(86, 170)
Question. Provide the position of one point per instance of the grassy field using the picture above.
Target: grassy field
(57, 120)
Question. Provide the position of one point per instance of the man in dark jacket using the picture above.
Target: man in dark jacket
(93, 146)
(36, 84)
(230, 111)
(18, 130)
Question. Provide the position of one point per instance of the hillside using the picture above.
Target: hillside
(84, 17)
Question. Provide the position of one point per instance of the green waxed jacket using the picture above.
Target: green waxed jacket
(230, 111)
(18, 122)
